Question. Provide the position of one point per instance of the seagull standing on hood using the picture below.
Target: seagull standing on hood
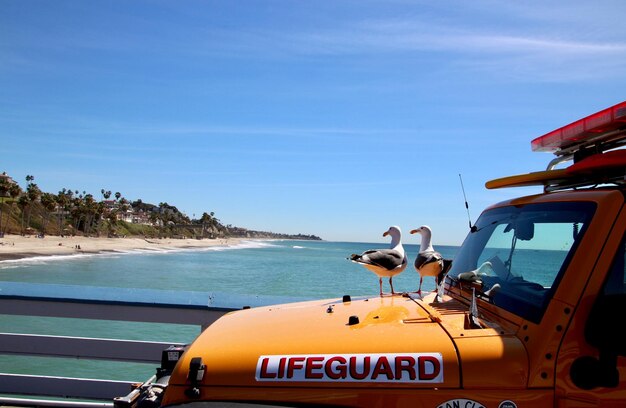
(385, 262)
(429, 262)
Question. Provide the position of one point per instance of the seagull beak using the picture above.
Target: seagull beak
(385, 233)
(415, 231)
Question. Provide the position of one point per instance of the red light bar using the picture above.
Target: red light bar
(583, 131)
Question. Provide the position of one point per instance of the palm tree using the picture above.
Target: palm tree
(34, 193)
(103, 211)
(22, 203)
(124, 206)
(4, 192)
(100, 209)
(90, 211)
(64, 198)
(48, 202)
(14, 192)
(76, 211)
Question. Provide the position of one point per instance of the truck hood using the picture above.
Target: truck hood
(387, 342)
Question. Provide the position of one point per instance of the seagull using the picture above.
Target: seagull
(429, 262)
(384, 262)
(486, 268)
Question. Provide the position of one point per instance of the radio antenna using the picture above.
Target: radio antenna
(469, 218)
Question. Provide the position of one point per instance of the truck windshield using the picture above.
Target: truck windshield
(518, 253)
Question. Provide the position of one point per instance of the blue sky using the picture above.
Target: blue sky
(335, 118)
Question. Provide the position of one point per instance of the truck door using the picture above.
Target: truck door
(591, 364)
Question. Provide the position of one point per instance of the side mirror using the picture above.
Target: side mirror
(608, 335)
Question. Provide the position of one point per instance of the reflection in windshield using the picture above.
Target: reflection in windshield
(517, 253)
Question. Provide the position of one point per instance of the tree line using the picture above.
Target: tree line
(72, 212)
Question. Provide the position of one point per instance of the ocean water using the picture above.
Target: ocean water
(307, 269)
(300, 269)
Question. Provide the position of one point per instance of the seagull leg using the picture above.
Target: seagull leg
(391, 284)
(380, 282)
(419, 290)
(437, 282)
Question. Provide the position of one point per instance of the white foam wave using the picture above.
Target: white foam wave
(44, 259)
(255, 244)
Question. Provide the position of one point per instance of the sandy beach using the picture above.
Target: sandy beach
(17, 247)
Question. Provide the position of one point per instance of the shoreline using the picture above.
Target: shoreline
(15, 247)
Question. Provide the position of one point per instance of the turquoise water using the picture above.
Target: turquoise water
(311, 269)
(303, 269)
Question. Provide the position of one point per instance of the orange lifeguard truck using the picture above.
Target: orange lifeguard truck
(528, 315)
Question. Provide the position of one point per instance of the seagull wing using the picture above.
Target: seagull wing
(385, 258)
(425, 258)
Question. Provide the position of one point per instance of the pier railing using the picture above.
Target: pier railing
(114, 304)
